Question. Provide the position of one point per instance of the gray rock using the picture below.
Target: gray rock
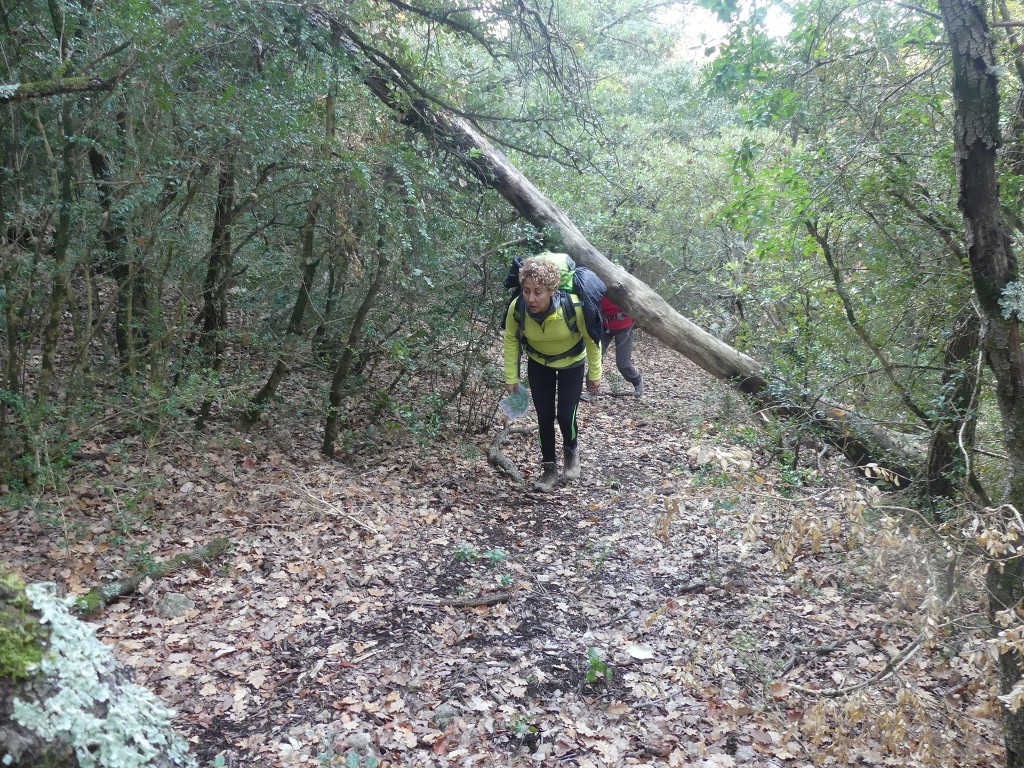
(360, 742)
(746, 754)
(173, 605)
(443, 716)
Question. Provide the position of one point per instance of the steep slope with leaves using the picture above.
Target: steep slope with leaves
(706, 595)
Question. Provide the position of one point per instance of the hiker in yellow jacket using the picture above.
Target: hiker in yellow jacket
(556, 349)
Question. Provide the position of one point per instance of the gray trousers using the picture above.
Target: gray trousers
(623, 353)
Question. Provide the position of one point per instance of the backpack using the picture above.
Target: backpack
(582, 284)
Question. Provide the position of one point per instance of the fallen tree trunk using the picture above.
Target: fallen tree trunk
(100, 597)
(863, 443)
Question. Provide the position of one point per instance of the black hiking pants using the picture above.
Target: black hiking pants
(556, 396)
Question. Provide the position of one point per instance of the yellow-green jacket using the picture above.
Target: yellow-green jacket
(550, 341)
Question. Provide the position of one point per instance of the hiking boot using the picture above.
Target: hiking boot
(638, 388)
(584, 396)
(572, 463)
(548, 477)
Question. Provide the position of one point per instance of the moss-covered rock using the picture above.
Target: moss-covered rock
(22, 639)
(75, 705)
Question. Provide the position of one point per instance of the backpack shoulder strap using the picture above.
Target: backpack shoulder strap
(519, 315)
(569, 310)
(567, 301)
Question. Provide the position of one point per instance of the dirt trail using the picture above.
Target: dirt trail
(637, 617)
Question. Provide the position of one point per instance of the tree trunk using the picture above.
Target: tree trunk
(993, 268)
(294, 331)
(319, 341)
(132, 300)
(345, 238)
(344, 364)
(21, 253)
(214, 316)
(1013, 153)
(309, 264)
(954, 424)
(61, 241)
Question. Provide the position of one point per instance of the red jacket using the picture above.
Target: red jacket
(615, 319)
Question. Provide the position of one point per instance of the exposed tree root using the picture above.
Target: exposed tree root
(496, 457)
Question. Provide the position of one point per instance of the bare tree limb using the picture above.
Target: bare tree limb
(851, 316)
(15, 92)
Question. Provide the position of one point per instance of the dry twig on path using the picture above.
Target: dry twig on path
(465, 602)
(333, 509)
(817, 650)
(894, 666)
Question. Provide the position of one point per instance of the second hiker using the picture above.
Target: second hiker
(619, 327)
(551, 329)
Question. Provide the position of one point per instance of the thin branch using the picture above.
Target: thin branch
(100, 597)
(919, 9)
(837, 278)
(632, 15)
(817, 650)
(333, 509)
(389, 77)
(948, 234)
(973, 479)
(464, 602)
(894, 666)
(446, 19)
(401, 78)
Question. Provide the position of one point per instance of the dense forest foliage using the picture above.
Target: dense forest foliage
(202, 198)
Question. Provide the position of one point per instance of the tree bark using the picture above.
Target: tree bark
(955, 421)
(61, 241)
(130, 276)
(37, 90)
(346, 234)
(218, 270)
(993, 267)
(294, 330)
(214, 316)
(497, 457)
(344, 365)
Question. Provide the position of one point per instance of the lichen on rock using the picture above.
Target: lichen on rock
(92, 707)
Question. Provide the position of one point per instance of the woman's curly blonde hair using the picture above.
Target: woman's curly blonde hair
(542, 271)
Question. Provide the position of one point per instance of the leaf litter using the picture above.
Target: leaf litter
(683, 604)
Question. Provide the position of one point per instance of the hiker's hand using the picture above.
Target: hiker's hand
(511, 389)
(593, 387)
